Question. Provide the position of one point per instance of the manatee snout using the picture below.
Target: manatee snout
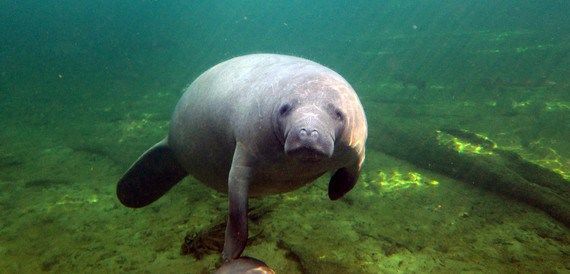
(309, 129)
(309, 143)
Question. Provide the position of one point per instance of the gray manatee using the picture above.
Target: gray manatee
(255, 125)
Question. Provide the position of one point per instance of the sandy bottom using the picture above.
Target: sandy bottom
(60, 214)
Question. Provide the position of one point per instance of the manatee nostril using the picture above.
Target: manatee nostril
(311, 134)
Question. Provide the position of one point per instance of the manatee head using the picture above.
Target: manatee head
(310, 118)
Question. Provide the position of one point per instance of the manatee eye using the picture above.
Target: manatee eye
(338, 115)
(335, 112)
(284, 109)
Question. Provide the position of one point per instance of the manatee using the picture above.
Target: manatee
(251, 126)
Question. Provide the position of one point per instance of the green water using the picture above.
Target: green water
(87, 86)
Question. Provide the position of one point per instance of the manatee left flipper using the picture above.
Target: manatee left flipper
(151, 176)
(343, 180)
(238, 189)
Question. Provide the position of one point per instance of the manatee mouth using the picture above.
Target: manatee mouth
(307, 154)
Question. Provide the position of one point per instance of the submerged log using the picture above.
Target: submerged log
(477, 162)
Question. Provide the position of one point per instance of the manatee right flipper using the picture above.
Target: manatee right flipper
(150, 177)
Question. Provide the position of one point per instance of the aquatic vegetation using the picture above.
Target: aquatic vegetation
(557, 106)
(210, 240)
(7, 161)
(135, 125)
(465, 142)
(396, 180)
(44, 183)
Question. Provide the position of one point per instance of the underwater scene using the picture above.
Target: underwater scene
(461, 164)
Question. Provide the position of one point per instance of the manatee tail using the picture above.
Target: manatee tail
(150, 177)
